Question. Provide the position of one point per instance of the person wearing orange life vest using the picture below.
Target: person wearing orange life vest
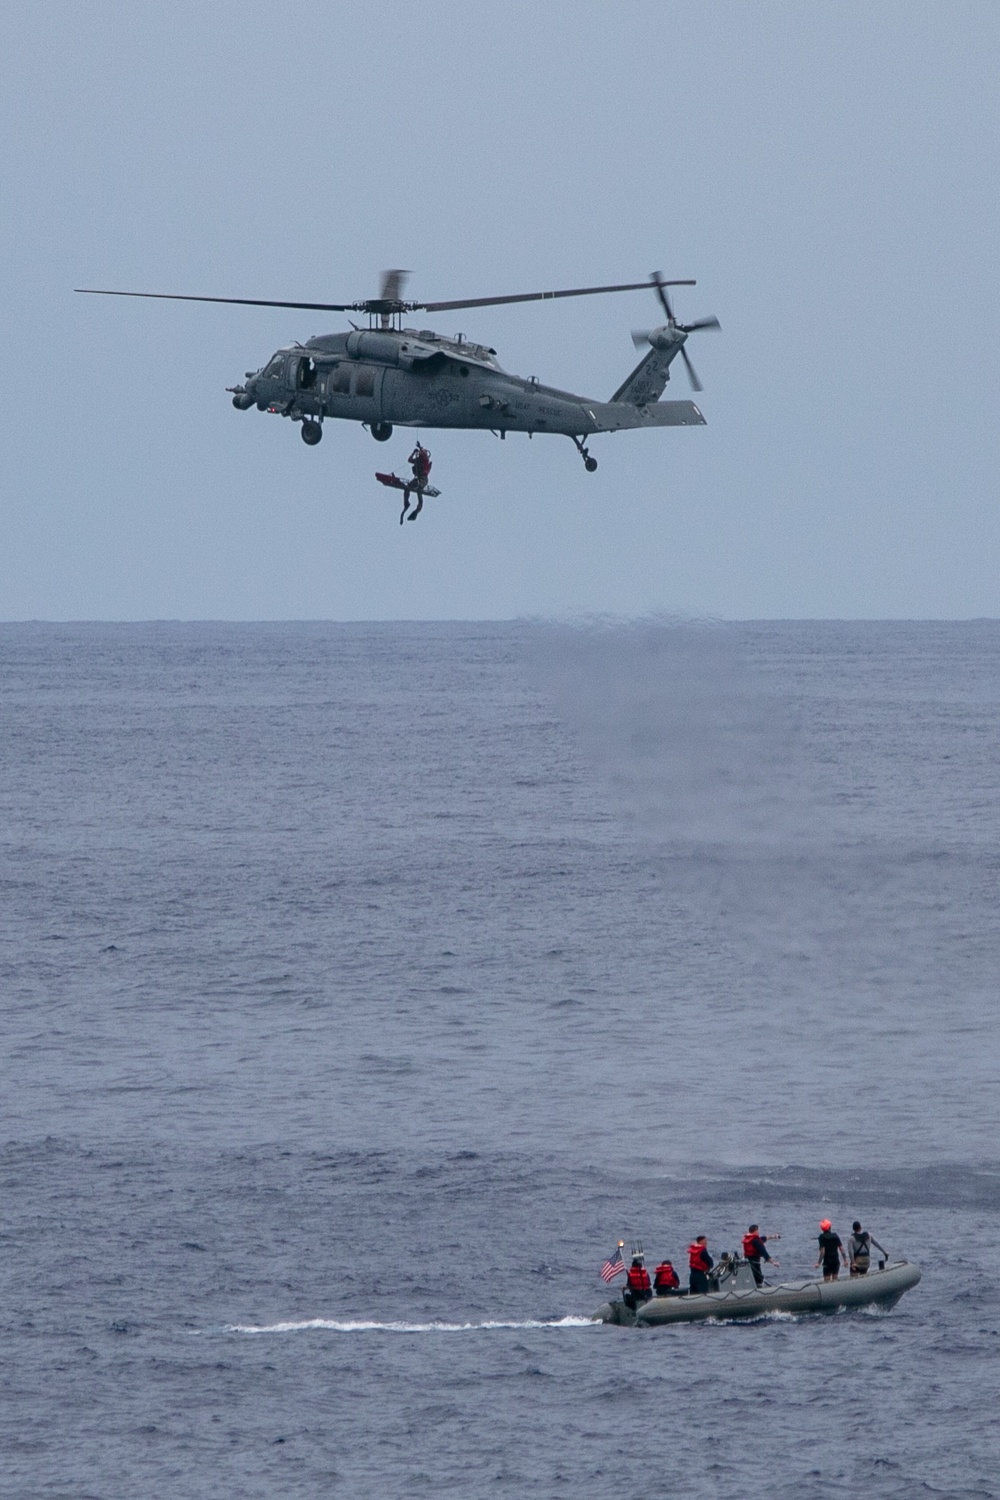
(637, 1284)
(701, 1263)
(666, 1282)
(755, 1250)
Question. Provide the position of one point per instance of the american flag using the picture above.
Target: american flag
(613, 1266)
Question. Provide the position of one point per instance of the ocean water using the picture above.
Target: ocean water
(363, 984)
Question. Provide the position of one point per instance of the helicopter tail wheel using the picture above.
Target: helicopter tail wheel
(381, 431)
(311, 433)
(590, 464)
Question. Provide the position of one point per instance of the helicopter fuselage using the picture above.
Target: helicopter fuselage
(387, 374)
(385, 377)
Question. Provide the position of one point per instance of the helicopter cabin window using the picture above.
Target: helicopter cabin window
(364, 384)
(341, 381)
(305, 377)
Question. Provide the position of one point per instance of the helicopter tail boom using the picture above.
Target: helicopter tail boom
(651, 374)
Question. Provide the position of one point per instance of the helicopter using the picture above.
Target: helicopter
(390, 375)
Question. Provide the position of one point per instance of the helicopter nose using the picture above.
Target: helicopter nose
(244, 396)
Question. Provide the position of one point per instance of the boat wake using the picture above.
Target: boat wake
(368, 1325)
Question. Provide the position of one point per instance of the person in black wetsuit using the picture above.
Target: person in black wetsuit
(420, 462)
(831, 1251)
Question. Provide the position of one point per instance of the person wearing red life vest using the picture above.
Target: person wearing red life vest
(666, 1281)
(701, 1263)
(420, 462)
(755, 1250)
(637, 1284)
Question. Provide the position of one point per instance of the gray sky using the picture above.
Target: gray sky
(828, 172)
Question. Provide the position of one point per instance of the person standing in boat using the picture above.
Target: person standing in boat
(755, 1250)
(831, 1251)
(666, 1282)
(701, 1264)
(637, 1284)
(859, 1250)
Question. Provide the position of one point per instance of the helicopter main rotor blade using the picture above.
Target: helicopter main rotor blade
(389, 301)
(658, 282)
(242, 301)
(392, 285)
(576, 291)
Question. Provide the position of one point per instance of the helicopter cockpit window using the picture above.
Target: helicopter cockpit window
(274, 369)
(305, 377)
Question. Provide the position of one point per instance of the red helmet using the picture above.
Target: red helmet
(825, 1224)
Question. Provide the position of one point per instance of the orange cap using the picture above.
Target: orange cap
(825, 1224)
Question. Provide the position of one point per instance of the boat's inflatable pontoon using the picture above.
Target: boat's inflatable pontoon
(739, 1296)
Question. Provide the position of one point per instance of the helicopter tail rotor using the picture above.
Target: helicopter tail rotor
(674, 332)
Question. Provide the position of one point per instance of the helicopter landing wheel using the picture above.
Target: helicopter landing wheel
(311, 433)
(381, 431)
(590, 464)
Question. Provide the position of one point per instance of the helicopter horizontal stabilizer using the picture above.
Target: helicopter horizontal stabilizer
(617, 416)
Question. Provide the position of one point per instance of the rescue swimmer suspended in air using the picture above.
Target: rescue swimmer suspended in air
(387, 374)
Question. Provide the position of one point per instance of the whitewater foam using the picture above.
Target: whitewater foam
(371, 1325)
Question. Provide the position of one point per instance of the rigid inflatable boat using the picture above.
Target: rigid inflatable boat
(739, 1296)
